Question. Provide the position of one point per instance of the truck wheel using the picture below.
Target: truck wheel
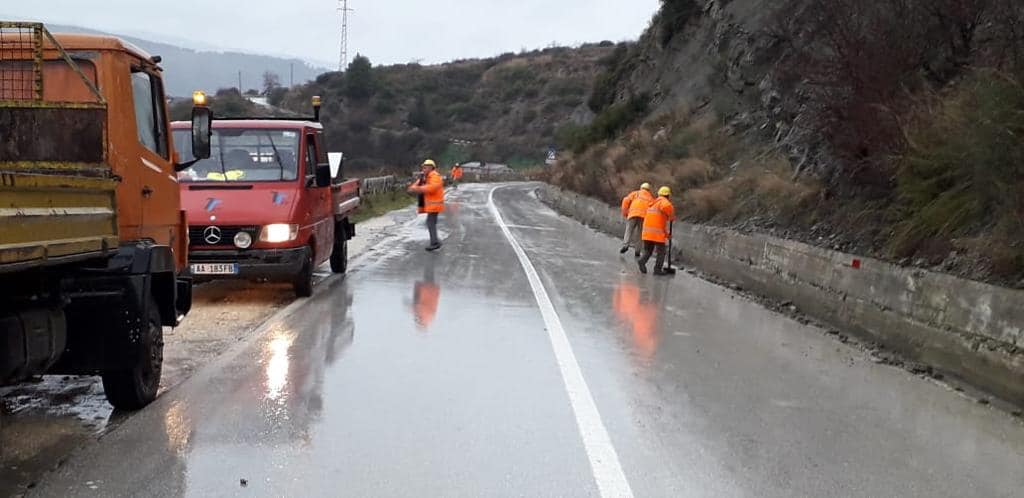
(339, 258)
(304, 282)
(135, 388)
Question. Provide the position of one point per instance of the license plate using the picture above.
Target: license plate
(215, 269)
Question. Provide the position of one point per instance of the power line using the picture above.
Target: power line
(343, 59)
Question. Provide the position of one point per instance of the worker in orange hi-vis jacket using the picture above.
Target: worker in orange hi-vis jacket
(634, 208)
(430, 188)
(656, 231)
(456, 175)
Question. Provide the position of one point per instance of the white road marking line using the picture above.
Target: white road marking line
(604, 461)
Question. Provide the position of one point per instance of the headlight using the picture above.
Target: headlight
(243, 240)
(279, 232)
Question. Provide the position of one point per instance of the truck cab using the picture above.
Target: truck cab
(267, 204)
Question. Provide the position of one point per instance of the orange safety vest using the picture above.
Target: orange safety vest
(656, 221)
(635, 204)
(433, 193)
(457, 172)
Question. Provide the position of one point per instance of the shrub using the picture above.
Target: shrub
(421, 116)
(606, 125)
(474, 111)
(964, 168)
(605, 89)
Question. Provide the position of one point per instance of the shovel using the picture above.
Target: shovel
(668, 257)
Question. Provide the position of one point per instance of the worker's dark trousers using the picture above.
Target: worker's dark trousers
(649, 247)
(432, 228)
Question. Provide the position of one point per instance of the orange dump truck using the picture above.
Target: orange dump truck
(93, 240)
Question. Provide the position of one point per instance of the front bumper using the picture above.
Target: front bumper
(279, 265)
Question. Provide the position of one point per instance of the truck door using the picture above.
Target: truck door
(322, 213)
(157, 187)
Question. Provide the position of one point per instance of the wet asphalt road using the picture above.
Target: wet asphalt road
(440, 375)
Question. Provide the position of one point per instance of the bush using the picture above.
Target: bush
(606, 86)
(474, 111)
(617, 118)
(565, 87)
(422, 116)
(964, 169)
(606, 125)
(276, 96)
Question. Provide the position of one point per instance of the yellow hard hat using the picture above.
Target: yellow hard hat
(645, 186)
(430, 162)
(664, 191)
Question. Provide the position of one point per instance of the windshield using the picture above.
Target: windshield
(242, 155)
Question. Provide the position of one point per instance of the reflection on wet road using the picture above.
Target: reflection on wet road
(434, 375)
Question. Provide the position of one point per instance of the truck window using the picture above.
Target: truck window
(322, 157)
(311, 157)
(148, 96)
(61, 82)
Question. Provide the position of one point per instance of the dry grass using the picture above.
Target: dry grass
(701, 204)
(691, 155)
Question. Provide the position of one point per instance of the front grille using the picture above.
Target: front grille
(197, 235)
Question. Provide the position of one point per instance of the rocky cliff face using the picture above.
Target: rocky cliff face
(880, 128)
(725, 61)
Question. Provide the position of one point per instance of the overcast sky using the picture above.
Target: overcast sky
(388, 31)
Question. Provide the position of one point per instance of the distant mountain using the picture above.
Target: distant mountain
(188, 69)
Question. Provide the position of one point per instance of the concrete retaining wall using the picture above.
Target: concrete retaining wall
(968, 329)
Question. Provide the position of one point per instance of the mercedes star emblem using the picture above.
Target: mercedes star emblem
(212, 235)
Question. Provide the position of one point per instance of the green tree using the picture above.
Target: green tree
(360, 83)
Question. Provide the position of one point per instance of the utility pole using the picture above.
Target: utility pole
(240, 82)
(291, 78)
(343, 59)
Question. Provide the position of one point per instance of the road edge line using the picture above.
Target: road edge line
(604, 460)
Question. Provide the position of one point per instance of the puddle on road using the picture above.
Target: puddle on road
(44, 421)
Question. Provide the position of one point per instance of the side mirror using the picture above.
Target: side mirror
(323, 175)
(202, 131)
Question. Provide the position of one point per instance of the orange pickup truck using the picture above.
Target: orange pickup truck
(268, 204)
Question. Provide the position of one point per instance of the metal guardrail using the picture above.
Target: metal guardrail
(391, 183)
(380, 185)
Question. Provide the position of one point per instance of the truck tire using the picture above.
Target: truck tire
(304, 281)
(135, 388)
(339, 257)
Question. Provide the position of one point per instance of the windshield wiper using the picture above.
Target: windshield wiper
(277, 156)
(220, 154)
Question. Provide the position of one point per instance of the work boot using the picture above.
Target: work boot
(623, 250)
(636, 255)
(643, 267)
(660, 271)
(433, 247)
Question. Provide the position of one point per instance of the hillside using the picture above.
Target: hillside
(503, 109)
(188, 70)
(890, 128)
